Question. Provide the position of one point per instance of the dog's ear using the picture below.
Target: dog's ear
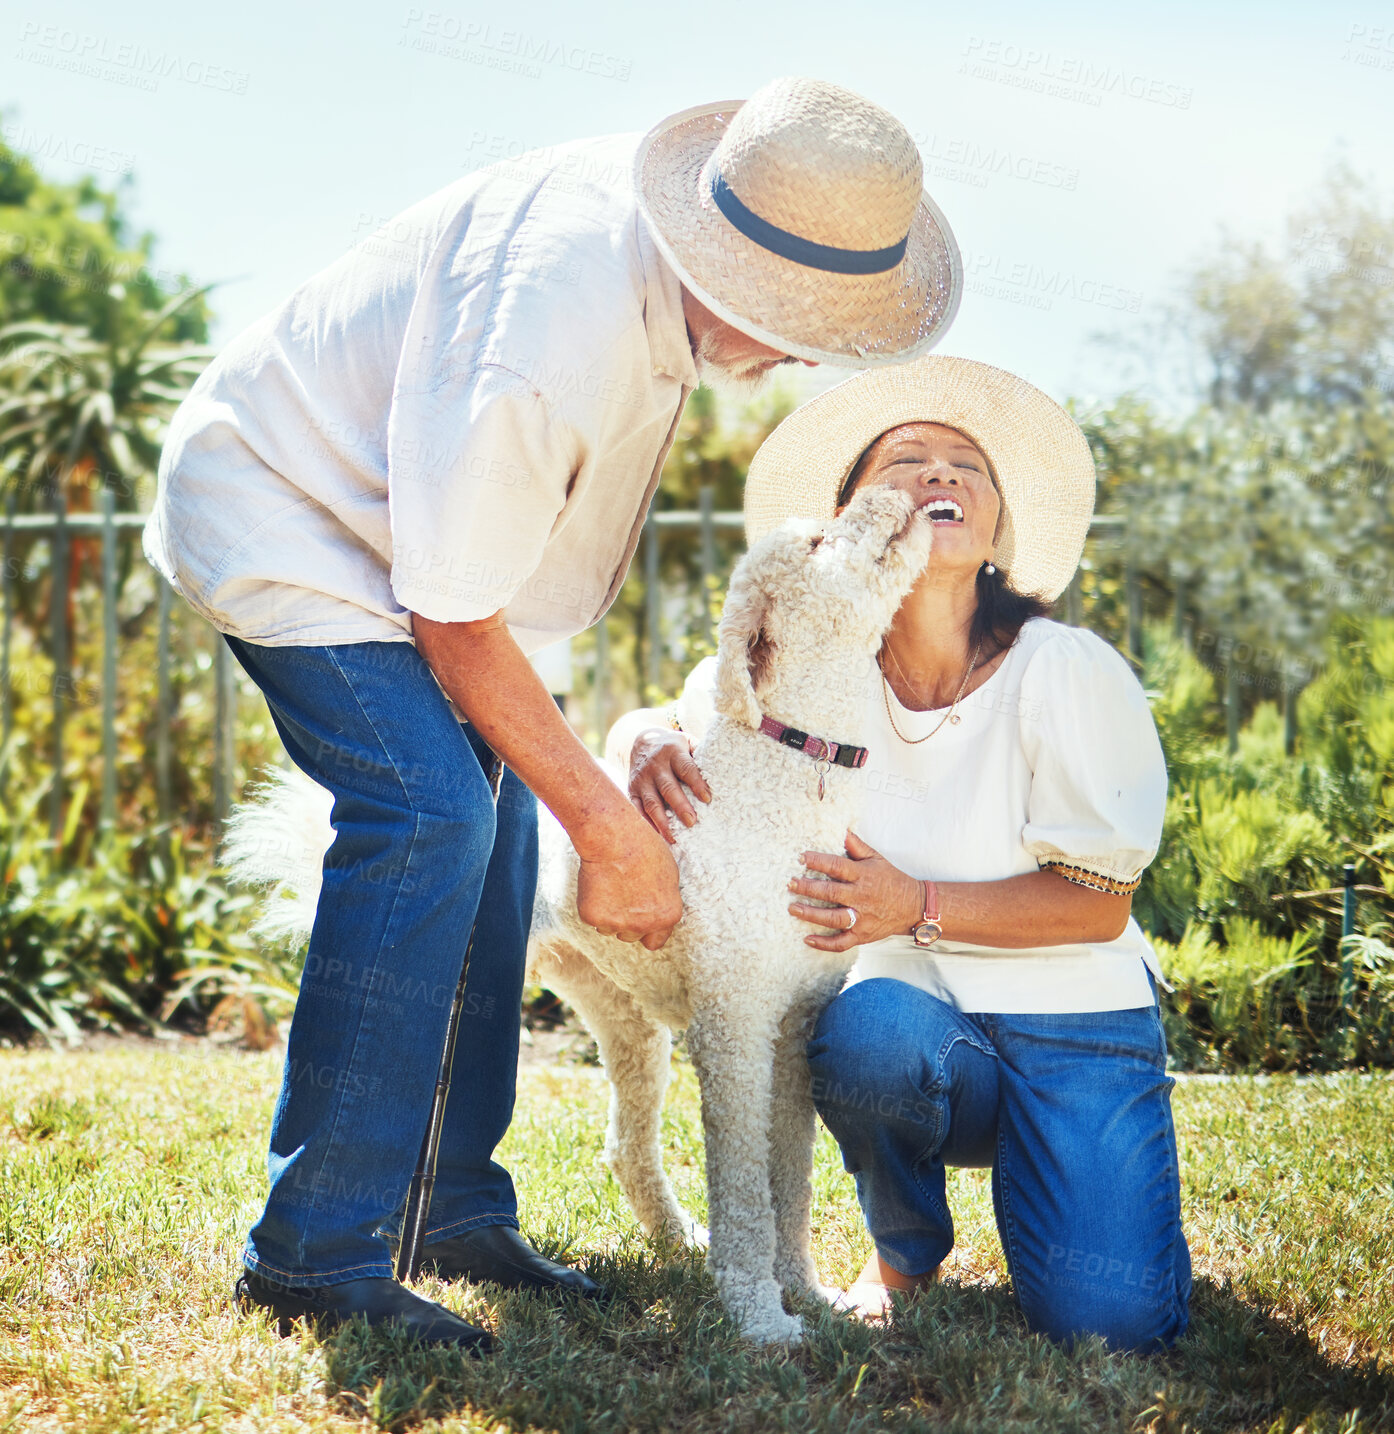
(742, 648)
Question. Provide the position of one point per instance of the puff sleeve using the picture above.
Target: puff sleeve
(1098, 783)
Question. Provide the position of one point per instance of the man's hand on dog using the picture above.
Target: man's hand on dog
(630, 890)
(886, 900)
(663, 777)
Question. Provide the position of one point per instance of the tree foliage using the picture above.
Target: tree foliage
(1310, 317)
(76, 408)
(1264, 510)
(69, 254)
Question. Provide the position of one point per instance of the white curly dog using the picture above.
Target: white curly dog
(803, 619)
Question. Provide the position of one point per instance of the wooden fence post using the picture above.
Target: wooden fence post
(706, 496)
(601, 678)
(109, 636)
(58, 617)
(1074, 601)
(1347, 976)
(7, 581)
(1132, 588)
(224, 714)
(163, 716)
(653, 672)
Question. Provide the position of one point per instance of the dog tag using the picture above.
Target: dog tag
(821, 766)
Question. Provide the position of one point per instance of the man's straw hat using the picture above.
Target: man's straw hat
(798, 217)
(1040, 460)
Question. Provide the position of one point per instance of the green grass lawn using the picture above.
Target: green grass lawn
(130, 1175)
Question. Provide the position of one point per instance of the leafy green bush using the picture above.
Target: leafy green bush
(1242, 901)
(104, 943)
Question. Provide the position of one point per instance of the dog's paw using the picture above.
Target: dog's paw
(770, 1328)
(681, 1229)
(696, 1234)
(757, 1308)
(798, 1276)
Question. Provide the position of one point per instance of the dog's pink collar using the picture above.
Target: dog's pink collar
(840, 754)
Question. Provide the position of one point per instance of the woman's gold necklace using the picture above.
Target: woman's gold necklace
(950, 716)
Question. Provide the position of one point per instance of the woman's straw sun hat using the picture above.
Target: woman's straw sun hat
(799, 218)
(1040, 460)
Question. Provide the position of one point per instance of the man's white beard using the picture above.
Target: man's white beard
(743, 379)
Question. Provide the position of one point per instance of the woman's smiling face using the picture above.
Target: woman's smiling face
(949, 477)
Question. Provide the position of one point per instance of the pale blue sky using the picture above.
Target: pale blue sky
(267, 135)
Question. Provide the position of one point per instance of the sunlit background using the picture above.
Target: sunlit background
(1178, 218)
(1084, 154)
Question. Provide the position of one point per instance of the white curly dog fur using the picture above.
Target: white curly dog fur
(803, 619)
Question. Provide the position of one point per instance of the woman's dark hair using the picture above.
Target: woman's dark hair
(1002, 611)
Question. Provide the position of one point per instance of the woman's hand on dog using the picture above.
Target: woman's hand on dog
(663, 778)
(886, 900)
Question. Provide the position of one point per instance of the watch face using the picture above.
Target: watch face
(926, 933)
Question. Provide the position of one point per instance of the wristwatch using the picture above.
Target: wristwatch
(927, 930)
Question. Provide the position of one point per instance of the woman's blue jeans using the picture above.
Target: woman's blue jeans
(418, 851)
(1071, 1112)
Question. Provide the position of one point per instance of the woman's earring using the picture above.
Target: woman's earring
(989, 568)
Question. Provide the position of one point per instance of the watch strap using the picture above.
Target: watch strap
(931, 901)
(927, 930)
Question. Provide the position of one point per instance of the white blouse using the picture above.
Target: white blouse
(1055, 763)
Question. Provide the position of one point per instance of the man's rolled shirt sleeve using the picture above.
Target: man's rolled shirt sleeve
(479, 471)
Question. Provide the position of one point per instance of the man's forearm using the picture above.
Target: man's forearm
(489, 679)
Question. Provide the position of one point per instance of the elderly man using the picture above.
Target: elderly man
(435, 458)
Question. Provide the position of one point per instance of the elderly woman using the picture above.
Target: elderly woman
(1002, 1012)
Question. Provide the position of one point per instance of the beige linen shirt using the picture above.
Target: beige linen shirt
(467, 412)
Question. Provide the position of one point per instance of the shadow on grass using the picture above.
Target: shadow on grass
(661, 1357)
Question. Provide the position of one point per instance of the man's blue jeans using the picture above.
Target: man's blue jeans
(418, 850)
(1071, 1112)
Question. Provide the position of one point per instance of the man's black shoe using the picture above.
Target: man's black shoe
(377, 1300)
(500, 1255)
